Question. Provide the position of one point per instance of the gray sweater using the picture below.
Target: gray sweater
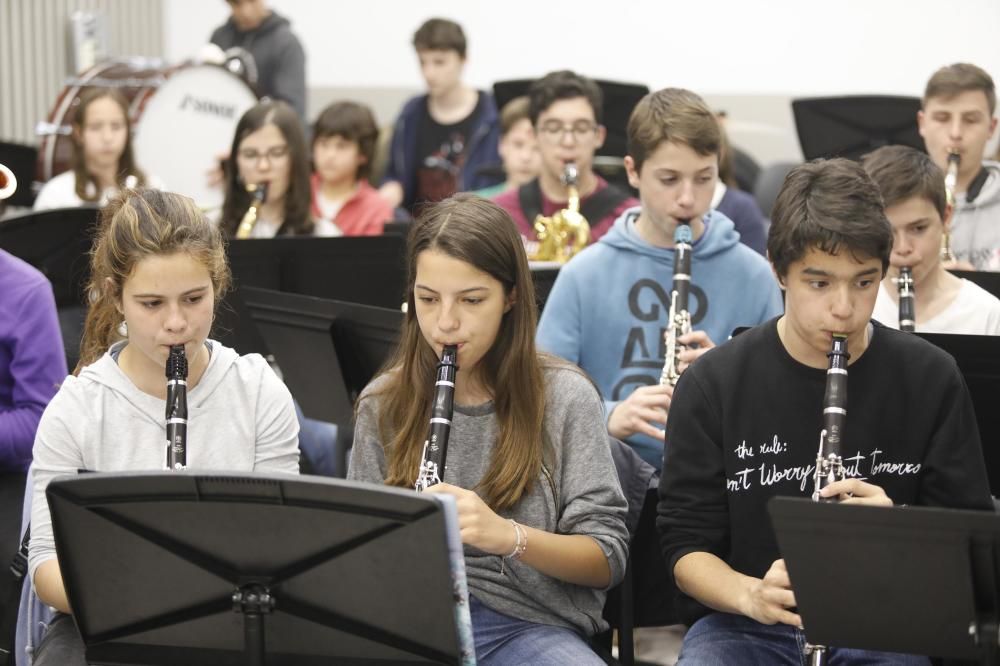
(975, 229)
(278, 54)
(240, 418)
(577, 493)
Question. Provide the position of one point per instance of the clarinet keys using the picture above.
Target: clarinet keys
(829, 462)
(177, 412)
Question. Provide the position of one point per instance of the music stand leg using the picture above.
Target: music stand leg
(816, 654)
(253, 601)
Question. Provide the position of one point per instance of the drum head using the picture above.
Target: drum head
(186, 124)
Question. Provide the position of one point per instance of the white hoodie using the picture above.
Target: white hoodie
(240, 418)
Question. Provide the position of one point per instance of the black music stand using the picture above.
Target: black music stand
(363, 269)
(913, 580)
(978, 358)
(852, 126)
(988, 280)
(544, 276)
(57, 243)
(327, 350)
(369, 270)
(222, 569)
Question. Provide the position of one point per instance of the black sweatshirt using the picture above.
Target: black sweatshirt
(744, 426)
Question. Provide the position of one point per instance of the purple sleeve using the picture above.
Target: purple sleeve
(35, 365)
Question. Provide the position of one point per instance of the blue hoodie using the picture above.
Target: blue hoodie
(607, 311)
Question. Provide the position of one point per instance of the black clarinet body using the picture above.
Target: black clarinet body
(829, 462)
(907, 312)
(435, 452)
(177, 412)
(679, 318)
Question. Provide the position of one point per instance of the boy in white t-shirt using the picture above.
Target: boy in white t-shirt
(913, 190)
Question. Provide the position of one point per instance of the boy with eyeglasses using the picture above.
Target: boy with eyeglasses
(565, 110)
(957, 117)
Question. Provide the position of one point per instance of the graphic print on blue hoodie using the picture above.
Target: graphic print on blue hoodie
(608, 308)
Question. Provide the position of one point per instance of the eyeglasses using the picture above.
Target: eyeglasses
(273, 154)
(553, 130)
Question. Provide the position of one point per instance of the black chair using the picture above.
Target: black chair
(769, 183)
(646, 596)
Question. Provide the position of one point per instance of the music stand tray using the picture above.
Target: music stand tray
(179, 568)
(912, 580)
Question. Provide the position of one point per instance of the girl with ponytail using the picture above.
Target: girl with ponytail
(158, 269)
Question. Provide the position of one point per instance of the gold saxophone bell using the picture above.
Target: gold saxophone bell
(8, 183)
(950, 181)
(567, 231)
(258, 193)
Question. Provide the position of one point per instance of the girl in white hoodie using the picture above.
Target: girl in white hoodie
(158, 269)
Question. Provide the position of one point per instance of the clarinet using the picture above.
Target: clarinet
(435, 453)
(829, 464)
(177, 412)
(679, 319)
(907, 316)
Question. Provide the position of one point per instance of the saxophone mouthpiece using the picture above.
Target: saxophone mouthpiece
(570, 174)
(258, 191)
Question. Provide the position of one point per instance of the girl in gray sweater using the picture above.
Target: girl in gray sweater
(157, 270)
(540, 510)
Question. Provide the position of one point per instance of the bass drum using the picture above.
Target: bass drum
(182, 117)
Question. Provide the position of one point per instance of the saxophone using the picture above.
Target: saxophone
(567, 231)
(679, 319)
(258, 193)
(950, 181)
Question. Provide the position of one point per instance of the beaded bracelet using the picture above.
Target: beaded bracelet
(520, 544)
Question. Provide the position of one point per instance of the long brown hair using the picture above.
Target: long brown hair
(87, 187)
(478, 232)
(298, 198)
(135, 225)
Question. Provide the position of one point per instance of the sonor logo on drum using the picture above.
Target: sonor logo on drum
(208, 106)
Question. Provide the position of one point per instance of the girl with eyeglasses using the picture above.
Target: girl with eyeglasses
(269, 147)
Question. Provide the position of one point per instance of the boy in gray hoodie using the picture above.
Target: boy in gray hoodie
(277, 52)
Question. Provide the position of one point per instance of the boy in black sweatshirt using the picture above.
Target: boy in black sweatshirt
(745, 421)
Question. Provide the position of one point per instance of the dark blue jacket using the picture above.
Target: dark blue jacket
(481, 148)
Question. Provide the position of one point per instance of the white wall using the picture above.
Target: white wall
(726, 46)
(746, 56)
